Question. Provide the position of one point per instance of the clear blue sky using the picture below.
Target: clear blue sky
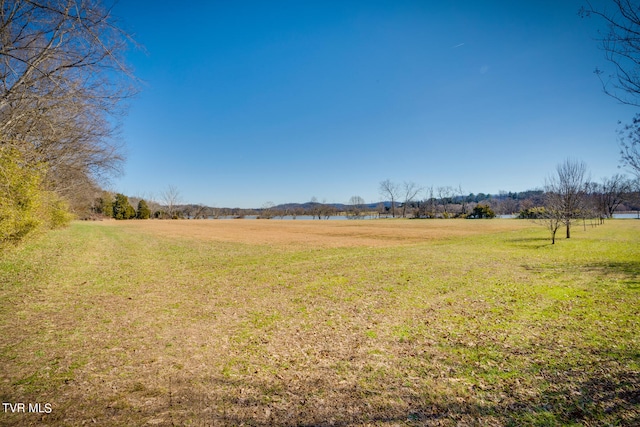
(245, 102)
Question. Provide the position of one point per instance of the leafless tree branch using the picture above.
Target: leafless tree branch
(63, 80)
(621, 45)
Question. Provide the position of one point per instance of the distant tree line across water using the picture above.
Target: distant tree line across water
(597, 200)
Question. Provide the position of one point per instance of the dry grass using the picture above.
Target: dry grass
(325, 234)
(323, 323)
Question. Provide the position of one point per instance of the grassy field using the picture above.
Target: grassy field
(435, 322)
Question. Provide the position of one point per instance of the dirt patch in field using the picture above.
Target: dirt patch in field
(375, 233)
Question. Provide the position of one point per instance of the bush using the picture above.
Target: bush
(20, 196)
(55, 211)
(482, 211)
(532, 213)
(103, 205)
(25, 206)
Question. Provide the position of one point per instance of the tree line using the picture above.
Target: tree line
(585, 199)
(169, 206)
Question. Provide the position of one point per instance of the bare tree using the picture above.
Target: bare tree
(551, 219)
(315, 208)
(428, 206)
(629, 140)
(200, 211)
(444, 195)
(634, 197)
(463, 200)
(356, 208)
(391, 191)
(565, 192)
(432, 203)
(328, 210)
(410, 191)
(621, 45)
(171, 199)
(154, 205)
(506, 205)
(62, 83)
(297, 211)
(282, 212)
(268, 210)
(611, 192)
(216, 212)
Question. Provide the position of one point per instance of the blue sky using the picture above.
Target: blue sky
(245, 102)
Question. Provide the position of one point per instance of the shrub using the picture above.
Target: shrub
(103, 205)
(55, 211)
(20, 196)
(482, 211)
(25, 206)
(532, 213)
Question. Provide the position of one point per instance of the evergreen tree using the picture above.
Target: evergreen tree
(121, 208)
(131, 212)
(483, 211)
(143, 210)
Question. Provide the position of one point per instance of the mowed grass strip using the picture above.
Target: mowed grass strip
(228, 323)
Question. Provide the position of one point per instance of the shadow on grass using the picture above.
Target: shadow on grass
(600, 397)
(531, 242)
(573, 398)
(629, 270)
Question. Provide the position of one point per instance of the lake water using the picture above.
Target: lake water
(626, 215)
(291, 218)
